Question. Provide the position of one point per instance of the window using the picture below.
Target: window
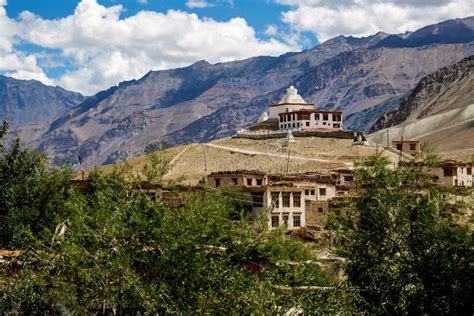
(320, 210)
(276, 199)
(336, 125)
(281, 119)
(348, 178)
(307, 123)
(296, 220)
(257, 199)
(218, 182)
(285, 220)
(399, 146)
(297, 199)
(325, 117)
(294, 125)
(286, 199)
(448, 172)
(312, 192)
(306, 192)
(259, 181)
(322, 191)
(275, 221)
(412, 146)
(469, 171)
(249, 181)
(234, 181)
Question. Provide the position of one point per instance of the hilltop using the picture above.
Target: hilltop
(191, 163)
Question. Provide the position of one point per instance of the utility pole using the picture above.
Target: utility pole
(205, 160)
(401, 151)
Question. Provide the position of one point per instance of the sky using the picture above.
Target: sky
(90, 45)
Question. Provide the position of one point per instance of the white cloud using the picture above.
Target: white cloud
(199, 4)
(271, 30)
(12, 62)
(329, 18)
(143, 1)
(106, 49)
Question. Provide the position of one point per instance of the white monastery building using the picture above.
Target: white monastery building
(294, 113)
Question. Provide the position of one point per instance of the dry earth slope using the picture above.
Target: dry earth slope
(439, 111)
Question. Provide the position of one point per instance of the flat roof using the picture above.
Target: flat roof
(310, 111)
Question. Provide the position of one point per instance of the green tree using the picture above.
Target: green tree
(123, 252)
(31, 194)
(405, 257)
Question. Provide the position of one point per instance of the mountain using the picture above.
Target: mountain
(22, 101)
(448, 32)
(203, 101)
(439, 111)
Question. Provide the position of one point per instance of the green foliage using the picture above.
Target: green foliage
(404, 256)
(31, 194)
(116, 250)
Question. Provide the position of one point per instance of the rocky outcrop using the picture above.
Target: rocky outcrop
(429, 95)
(23, 101)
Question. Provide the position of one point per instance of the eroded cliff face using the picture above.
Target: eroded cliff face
(203, 101)
(23, 101)
(446, 89)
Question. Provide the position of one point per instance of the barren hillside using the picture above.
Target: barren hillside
(440, 111)
(192, 162)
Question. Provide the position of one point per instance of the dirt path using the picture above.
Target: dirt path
(176, 158)
(251, 152)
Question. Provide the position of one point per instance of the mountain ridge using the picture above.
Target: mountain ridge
(204, 101)
(438, 111)
(22, 101)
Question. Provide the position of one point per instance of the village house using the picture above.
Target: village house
(174, 197)
(412, 147)
(453, 173)
(292, 200)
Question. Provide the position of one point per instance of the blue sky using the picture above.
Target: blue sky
(90, 45)
(257, 13)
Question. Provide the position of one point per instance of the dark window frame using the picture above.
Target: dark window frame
(296, 199)
(296, 220)
(275, 220)
(275, 196)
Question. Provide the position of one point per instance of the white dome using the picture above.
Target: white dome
(292, 96)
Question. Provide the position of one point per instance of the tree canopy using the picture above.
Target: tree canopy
(406, 253)
(112, 248)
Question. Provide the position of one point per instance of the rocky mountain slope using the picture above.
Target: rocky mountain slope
(203, 101)
(22, 101)
(448, 88)
(439, 111)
